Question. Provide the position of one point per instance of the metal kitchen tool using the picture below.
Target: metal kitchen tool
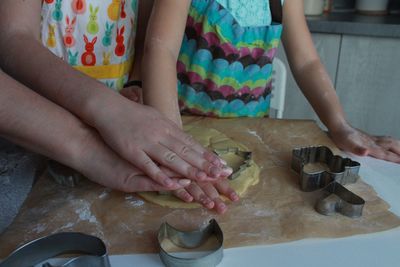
(341, 171)
(93, 250)
(63, 175)
(337, 198)
(191, 240)
(246, 155)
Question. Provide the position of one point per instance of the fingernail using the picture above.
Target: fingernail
(226, 171)
(201, 175)
(215, 172)
(188, 198)
(184, 182)
(221, 208)
(216, 161)
(207, 202)
(168, 182)
(210, 204)
(234, 197)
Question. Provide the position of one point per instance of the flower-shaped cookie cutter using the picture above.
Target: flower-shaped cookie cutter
(191, 240)
(336, 198)
(246, 155)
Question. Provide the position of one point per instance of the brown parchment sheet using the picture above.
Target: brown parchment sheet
(273, 211)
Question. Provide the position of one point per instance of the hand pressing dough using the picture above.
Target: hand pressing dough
(212, 139)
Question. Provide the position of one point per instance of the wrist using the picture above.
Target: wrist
(337, 124)
(99, 105)
(75, 145)
(170, 109)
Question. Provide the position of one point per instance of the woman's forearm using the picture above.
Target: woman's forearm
(50, 76)
(32, 121)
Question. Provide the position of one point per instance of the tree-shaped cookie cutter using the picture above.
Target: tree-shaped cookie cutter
(246, 155)
(191, 240)
(336, 198)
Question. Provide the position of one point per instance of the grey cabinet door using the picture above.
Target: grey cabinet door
(368, 83)
(296, 105)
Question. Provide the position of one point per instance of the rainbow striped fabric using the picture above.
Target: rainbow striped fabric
(224, 70)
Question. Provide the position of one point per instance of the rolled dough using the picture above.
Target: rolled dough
(212, 139)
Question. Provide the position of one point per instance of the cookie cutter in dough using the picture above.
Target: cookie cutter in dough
(92, 249)
(64, 175)
(191, 240)
(246, 155)
(336, 198)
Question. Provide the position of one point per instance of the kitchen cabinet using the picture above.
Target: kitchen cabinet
(366, 74)
(368, 83)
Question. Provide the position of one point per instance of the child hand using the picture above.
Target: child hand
(208, 194)
(355, 141)
(133, 93)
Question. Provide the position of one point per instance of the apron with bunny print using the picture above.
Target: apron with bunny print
(96, 37)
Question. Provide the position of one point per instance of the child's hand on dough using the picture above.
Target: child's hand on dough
(208, 194)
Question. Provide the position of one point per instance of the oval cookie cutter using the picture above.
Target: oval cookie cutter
(191, 240)
(93, 250)
(336, 198)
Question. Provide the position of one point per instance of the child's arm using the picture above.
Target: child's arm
(317, 87)
(138, 133)
(135, 93)
(34, 122)
(163, 41)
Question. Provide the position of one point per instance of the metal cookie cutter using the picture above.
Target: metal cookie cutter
(93, 249)
(341, 171)
(338, 198)
(246, 155)
(191, 240)
(64, 175)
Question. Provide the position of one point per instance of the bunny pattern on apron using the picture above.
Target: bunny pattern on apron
(96, 37)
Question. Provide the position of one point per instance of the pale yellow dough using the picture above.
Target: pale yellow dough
(212, 139)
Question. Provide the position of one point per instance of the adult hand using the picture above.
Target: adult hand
(208, 194)
(95, 160)
(144, 137)
(360, 143)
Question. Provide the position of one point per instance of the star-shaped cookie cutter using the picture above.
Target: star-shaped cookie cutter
(336, 198)
(246, 155)
(191, 240)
